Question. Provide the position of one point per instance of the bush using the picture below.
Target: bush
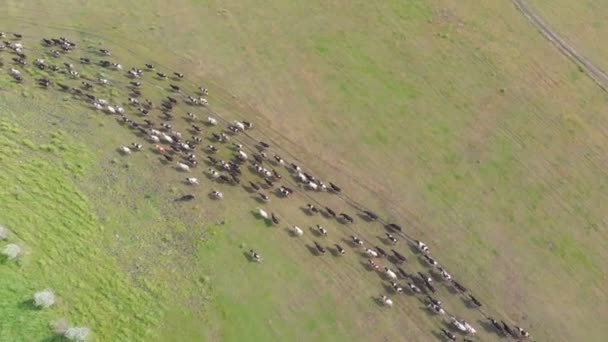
(12, 251)
(3, 233)
(78, 334)
(44, 299)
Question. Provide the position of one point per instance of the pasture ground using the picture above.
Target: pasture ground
(458, 117)
(580, 24)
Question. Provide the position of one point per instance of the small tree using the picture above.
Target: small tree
(44, 299)
(78, 334)
(12, 251)
(3, 233)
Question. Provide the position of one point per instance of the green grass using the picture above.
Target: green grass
(251, 309)
(154, 244)
(54, 223)
(401, 103)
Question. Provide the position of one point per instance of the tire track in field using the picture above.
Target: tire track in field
(595, 72)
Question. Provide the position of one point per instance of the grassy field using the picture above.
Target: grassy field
(580, 23)
(181, 263)
(152, 274)
(459, 119)
(56, 226)
(167, 262)
(174, 253)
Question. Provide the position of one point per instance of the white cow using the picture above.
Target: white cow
(192, 181)
(263, 214)
(313, 185)
(390, 274)
(302, 177)
(371, 252)
(298, 231)
(164, 137)
(183, 167)
(458, 325)
(470, 329)
(212, 121)
(386, 301)
(239, 125)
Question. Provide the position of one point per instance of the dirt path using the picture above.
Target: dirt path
(596, 73)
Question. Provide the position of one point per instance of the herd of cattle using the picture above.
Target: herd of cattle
(154, 122)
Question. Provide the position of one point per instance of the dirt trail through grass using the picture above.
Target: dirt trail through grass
(594, 71)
